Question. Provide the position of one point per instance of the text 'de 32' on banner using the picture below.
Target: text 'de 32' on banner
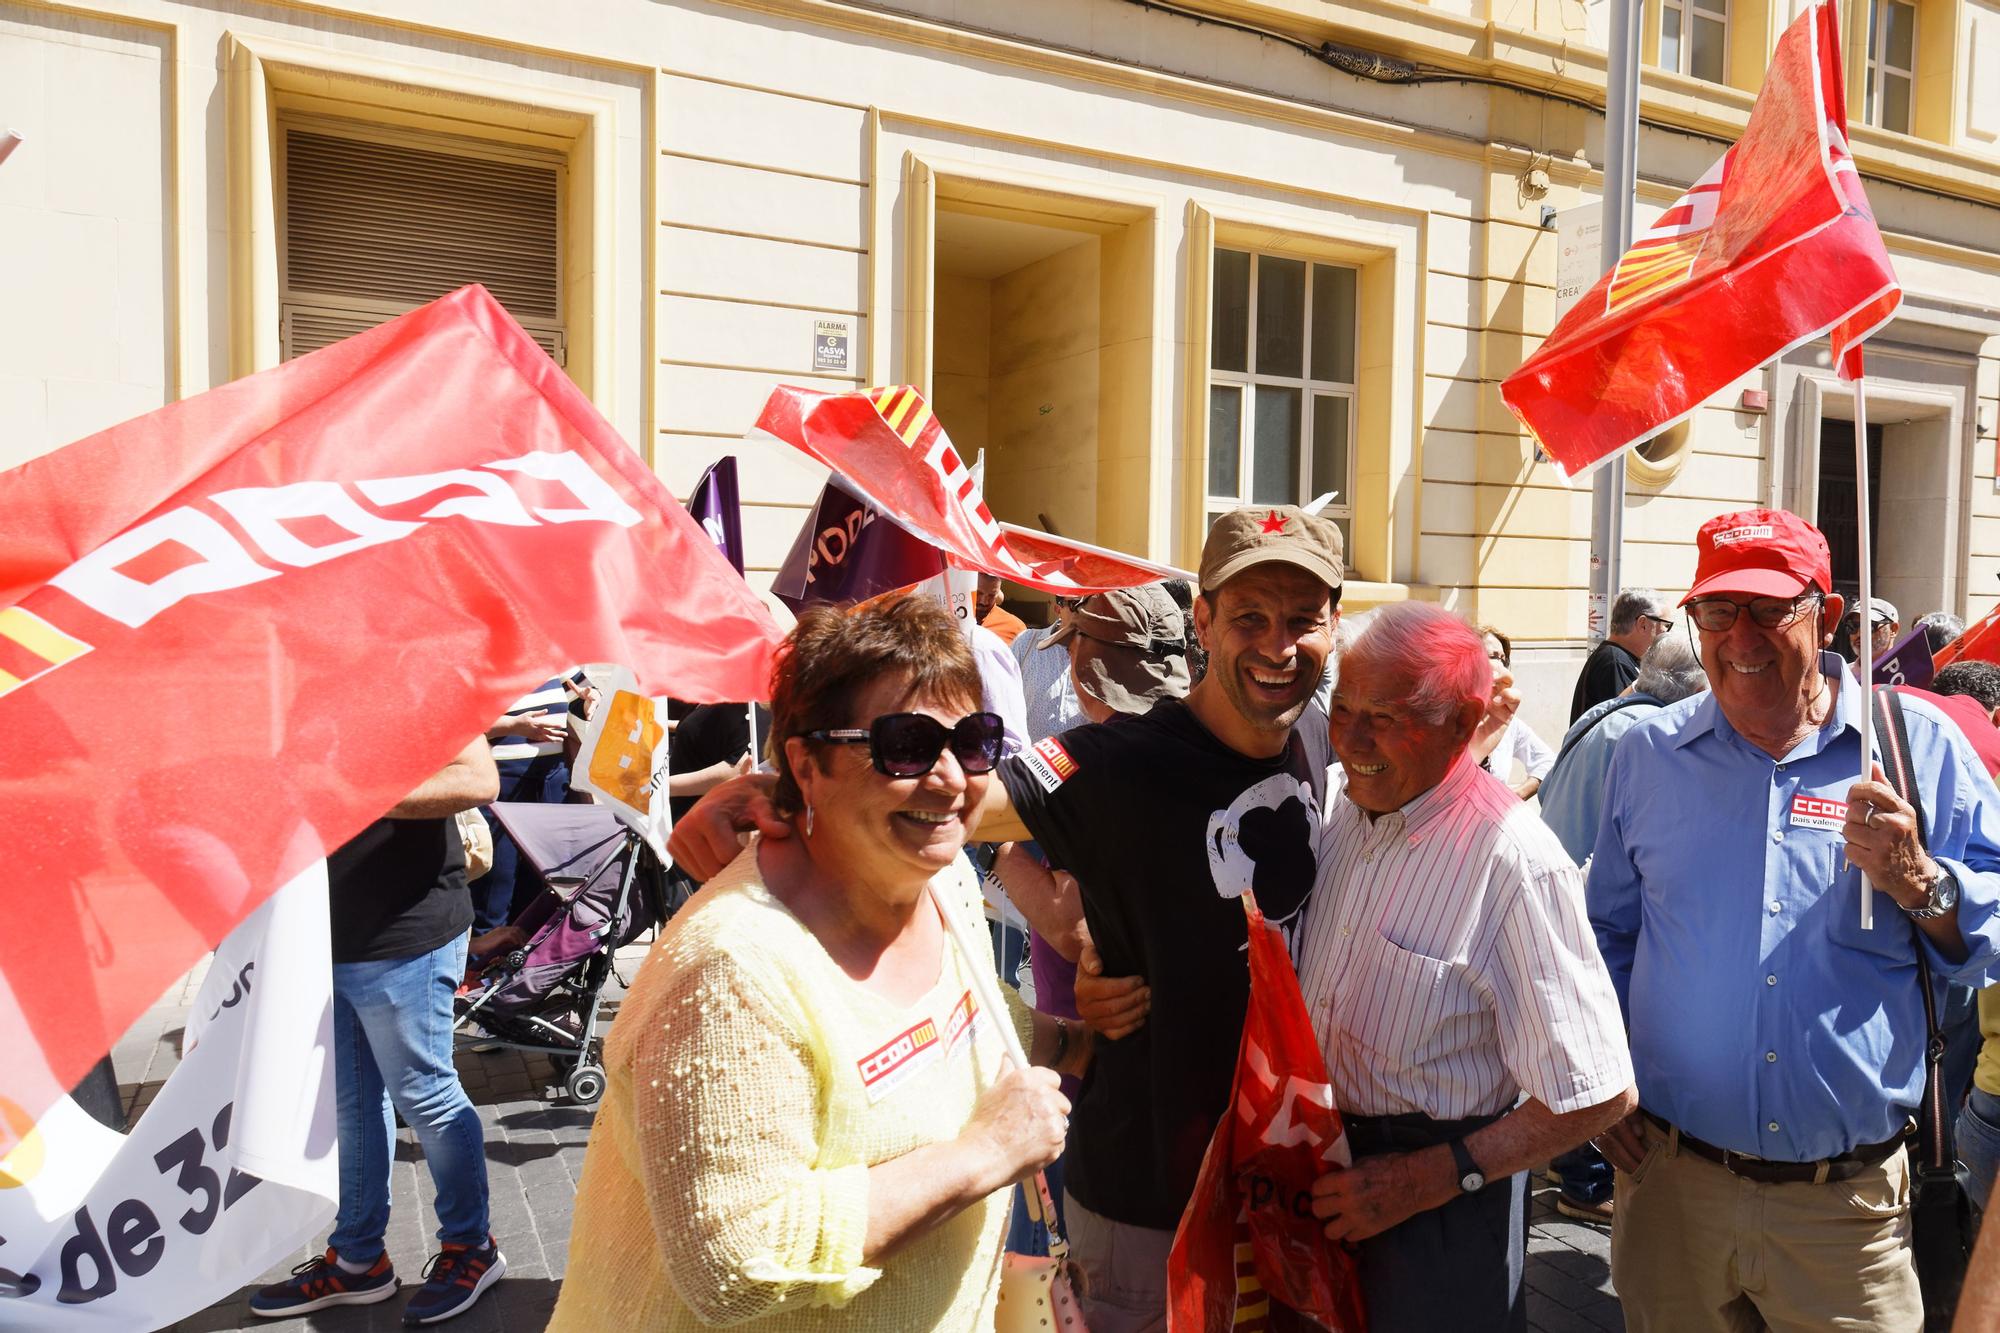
(236, 630)
(232, 1168)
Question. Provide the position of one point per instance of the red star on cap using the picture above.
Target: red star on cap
(1274, 522)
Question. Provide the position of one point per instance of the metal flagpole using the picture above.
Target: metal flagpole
(1621, 177)
(1864, 632)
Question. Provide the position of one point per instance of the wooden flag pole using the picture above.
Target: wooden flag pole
(1864, 636)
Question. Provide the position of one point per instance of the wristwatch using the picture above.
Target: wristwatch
(1471, 1179)
(1944, 897)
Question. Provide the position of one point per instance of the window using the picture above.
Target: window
(373, 227)
(1694, 38)
(1281, 384)
(1892, 57)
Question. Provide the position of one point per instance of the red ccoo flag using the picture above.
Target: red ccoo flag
(1772, 247)
(234, 631)
(892, 453)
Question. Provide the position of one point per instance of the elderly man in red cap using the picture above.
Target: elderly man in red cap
(1778, 1043)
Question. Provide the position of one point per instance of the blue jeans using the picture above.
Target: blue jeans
(1586, 1176)
(392, 1046)
(1977, 1137)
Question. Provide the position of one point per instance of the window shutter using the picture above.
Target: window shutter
(374, 229)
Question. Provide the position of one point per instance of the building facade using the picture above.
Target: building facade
(1154, 259)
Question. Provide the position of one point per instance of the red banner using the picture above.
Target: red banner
(236, 630)
(1280, 1133)
(1772, 248)
(891, 450)
(1979, 643)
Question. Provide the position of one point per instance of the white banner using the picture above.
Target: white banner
(232, 1168)
(623, 757)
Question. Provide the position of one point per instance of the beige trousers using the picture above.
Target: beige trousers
(1694, 1247)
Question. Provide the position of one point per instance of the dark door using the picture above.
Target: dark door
(1838, 512)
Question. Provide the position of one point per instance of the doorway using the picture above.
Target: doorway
(1839, 509)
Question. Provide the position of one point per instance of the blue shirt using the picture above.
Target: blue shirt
(1572, 794)
(1762, 1017)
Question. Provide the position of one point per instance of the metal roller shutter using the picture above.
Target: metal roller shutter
(372, 229)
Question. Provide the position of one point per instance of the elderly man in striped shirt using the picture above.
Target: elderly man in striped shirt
(1449, 968)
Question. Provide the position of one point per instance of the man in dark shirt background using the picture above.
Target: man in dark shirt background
(1638, 617)
(400, 913)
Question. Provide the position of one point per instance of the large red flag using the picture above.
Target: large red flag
(892, 451)
(1280, 1133)
(1772, 248)
(234, 631)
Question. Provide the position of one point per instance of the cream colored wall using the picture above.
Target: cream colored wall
(88, 311)
(1046, 341)
(759, 188)
(962, 379)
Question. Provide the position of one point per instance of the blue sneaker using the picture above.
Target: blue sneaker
(318, 1283)
(453, 1280)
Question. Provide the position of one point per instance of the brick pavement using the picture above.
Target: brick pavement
(534, 1155)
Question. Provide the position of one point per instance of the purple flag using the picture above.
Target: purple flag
(846, 552)
(714, 505)
(1908, 662)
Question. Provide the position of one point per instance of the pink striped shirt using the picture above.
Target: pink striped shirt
(1447, 962)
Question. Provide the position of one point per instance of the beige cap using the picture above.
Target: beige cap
(1247, 537)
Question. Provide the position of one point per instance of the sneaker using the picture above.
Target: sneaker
(453, 1280)
(318, 1283)
(1583, 1210)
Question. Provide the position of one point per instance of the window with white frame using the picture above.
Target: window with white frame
(1694, 38)
(1281, 384)
(1892, 63)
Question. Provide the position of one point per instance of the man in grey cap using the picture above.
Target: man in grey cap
(1165, 819)
(1885, 626)
(1127, 650)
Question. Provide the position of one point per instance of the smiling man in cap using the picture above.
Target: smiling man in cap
(1778, 1044)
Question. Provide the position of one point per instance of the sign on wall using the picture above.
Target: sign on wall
(833, 346)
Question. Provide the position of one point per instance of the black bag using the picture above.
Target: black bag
(1940, 1211)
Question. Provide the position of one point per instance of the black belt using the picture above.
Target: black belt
(1371, 1134)
(1848, 1164)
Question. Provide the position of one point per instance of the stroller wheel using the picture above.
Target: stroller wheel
(585, 1084)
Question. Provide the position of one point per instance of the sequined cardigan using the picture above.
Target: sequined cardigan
(751, 1085)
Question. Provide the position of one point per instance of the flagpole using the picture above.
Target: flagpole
(1864, 631)
(1621, 178)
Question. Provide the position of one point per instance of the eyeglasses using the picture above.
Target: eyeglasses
(1661, 621)
(1717, 614)
(907, 745)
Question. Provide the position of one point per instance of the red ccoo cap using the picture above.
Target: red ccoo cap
(1760, 553)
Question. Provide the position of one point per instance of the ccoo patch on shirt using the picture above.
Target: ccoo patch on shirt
(1818, 812)
(1050, 763)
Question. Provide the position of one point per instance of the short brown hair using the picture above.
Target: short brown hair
(832, 655)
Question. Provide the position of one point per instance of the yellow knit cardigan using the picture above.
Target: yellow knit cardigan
(751, 1085)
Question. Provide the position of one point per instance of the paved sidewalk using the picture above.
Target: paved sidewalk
(534, 1153)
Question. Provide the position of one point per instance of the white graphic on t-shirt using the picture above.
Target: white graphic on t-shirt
(1233, 869)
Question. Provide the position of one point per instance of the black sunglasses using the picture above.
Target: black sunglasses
(907, 745)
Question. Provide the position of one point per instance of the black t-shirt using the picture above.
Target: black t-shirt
(1608, 669)
(397, 890)
(711, 734)
(1164, 826)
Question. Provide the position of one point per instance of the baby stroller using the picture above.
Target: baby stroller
(605, 887)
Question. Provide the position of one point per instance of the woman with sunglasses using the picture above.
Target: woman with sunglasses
(810, 1122)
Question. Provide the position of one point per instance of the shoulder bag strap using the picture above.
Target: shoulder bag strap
(1894, 733)
(978, 959)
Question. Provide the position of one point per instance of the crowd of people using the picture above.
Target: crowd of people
(1637, 958)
